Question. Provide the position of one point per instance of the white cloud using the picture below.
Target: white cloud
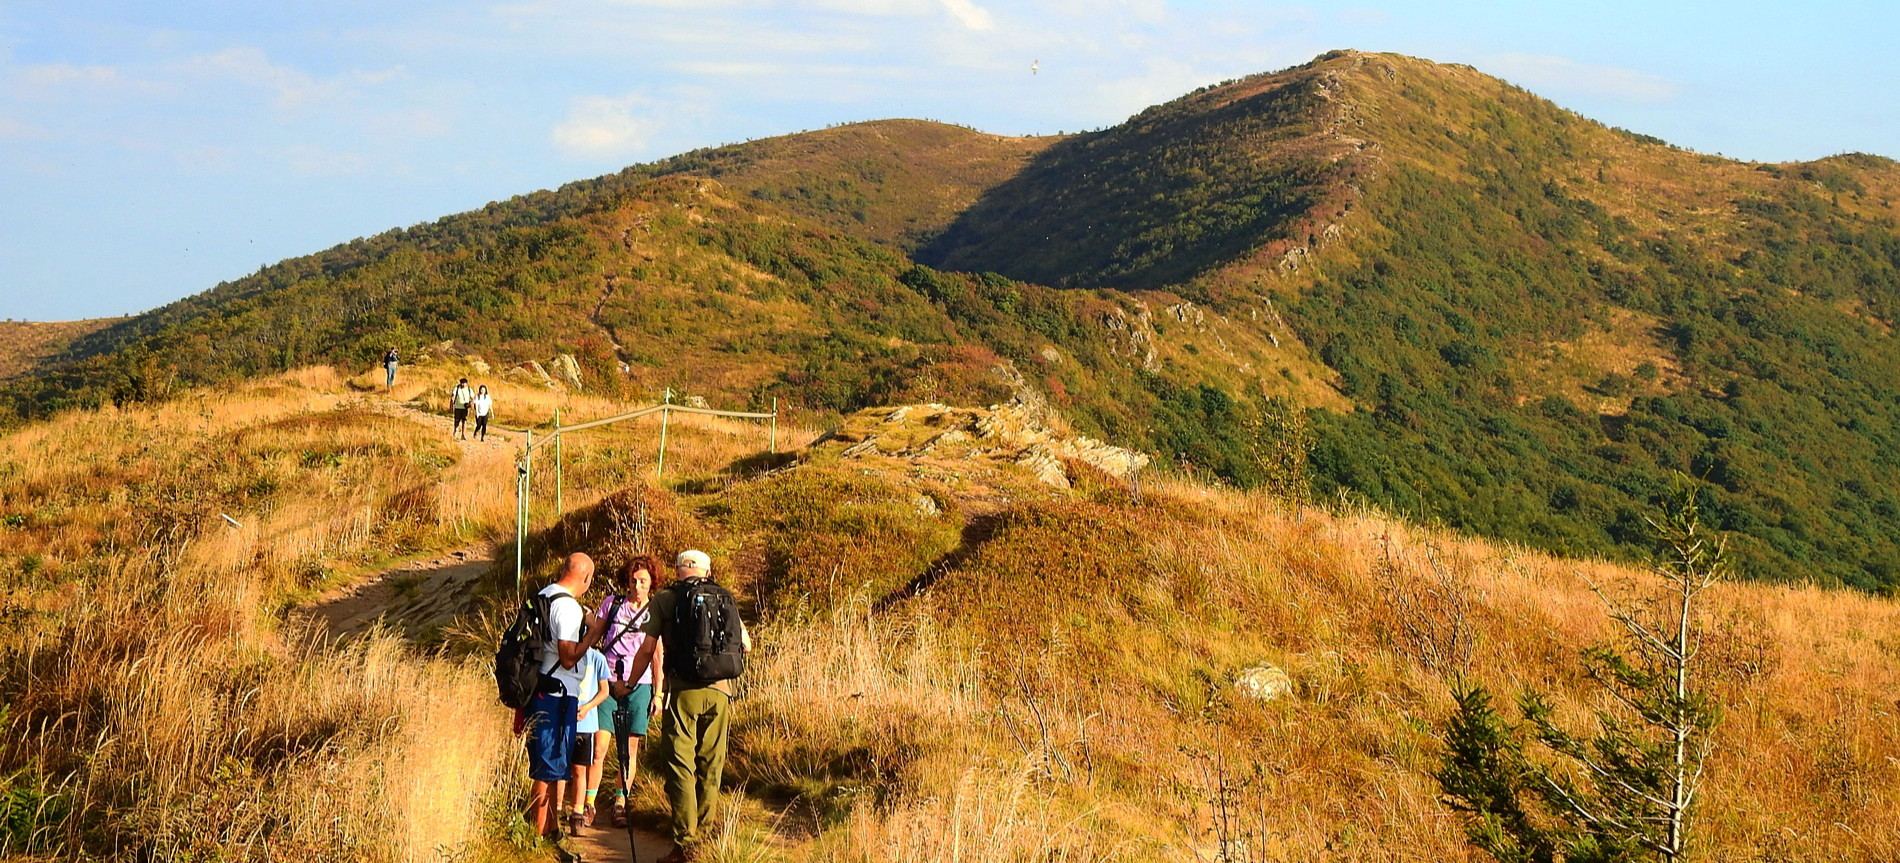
(291, 88)
(599, 127)
(12, 129)
(251, 66)
(1563, 74)
(56, 74)
(64, 80)
(312, 161)
(969, 14)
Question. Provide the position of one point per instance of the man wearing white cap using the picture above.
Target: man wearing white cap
(706, 645)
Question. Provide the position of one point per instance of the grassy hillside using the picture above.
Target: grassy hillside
(25, 344)
(1542, 317)
(958, 661)
(1538, 318)
(1176, 191)
(897, 182)
(1514, 321)
(706, 292)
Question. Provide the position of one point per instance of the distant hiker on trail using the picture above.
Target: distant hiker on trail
(586, 760)
(459, 399)
(483, 407)
(625, 610)
(552, 713)
(389, 368)
(706, 645)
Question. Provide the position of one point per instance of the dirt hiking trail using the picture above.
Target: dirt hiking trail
(411, 598)
(605, 843)
(415, 596)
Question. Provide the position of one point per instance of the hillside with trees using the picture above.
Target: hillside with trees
(956, 650)
(1484, 310)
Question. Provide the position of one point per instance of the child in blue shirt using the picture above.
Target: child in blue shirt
(594, 679)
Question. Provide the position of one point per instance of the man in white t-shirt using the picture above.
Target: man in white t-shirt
(572, 630)
(459, 399)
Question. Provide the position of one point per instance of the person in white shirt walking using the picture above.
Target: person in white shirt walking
(555, 708)
(483, 407)
(459, 399)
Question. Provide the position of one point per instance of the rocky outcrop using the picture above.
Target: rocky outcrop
(1013, 433)
(443, 350)
(1190, 314)
(1134, 334)
(563, 368)
(530, 373)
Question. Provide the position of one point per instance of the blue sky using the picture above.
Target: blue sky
(150, 150)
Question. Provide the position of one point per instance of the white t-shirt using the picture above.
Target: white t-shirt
(565, 619)
(483, 403)
(594, 668)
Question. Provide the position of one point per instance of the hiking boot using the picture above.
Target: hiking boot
(575, 822)
(620, 811)
(587, 818)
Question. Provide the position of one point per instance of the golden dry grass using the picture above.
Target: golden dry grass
(1105, 726)
(1062, 690)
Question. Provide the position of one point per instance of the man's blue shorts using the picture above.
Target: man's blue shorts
(550, 735)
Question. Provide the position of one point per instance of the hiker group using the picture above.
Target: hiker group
(584, 682)
(461, 401)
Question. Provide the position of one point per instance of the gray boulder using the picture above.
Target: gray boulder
(1264, 682)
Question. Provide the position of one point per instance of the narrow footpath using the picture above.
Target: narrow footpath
(419, 595)
(604, 843)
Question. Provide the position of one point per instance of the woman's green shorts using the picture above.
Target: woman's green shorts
(632, 710)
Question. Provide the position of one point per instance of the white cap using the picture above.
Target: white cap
(696, 559)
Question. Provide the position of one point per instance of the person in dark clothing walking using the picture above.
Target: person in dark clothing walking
(459, 399)
(389, 368)
(693, 734)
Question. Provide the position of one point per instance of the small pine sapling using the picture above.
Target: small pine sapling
(1627, 792)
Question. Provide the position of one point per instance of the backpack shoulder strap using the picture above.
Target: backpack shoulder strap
(612, 638)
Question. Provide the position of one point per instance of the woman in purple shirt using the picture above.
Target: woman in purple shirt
(630, 689)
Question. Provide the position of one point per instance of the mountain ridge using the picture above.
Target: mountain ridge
(1509, 318)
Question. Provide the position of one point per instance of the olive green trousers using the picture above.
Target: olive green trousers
(693, 744)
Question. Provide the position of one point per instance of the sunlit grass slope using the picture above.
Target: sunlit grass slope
(962, 660)
(957, 661)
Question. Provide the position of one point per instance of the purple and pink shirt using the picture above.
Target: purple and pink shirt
(624, 638)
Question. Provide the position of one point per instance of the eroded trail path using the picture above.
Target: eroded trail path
(411, 598)
(418, 596)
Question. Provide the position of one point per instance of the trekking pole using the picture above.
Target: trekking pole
(633, 840)
(626, 764)
(659, 469)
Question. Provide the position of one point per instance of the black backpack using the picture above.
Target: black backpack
(518, 659)
(706, 641)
